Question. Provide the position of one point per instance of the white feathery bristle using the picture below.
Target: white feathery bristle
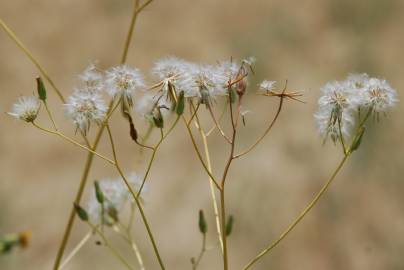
(122, 82)
(84, 108)
(26, 108)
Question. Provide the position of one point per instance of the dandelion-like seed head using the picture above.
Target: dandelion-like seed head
(267, 86)
(26, 108)
(379, 95)
(336, 105)
(174, 71)
(85, 107)
(122, 82)
(92, 79)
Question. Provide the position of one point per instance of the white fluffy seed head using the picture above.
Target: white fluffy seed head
(267, 86)
(336, 106)
(174, 71)
(26, 108)
(379, 95)
(122, 82)
(92, 79)
(85, 107)
(328, 128)
(342, 100)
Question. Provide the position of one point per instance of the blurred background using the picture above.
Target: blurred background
(359, 224)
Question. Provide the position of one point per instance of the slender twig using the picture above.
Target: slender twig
(301, 215)
(187, 125)
(251, 147)
(50, 115)
(136, 10)
(126, 235)
(11, 34)
(201, 253)
(341, 137)
(220, 118)
(211, 184)
(135, 197)
(75, 250)
(108, 245)
(307, 209)
(90, 156)
(155, 148)
(57, 133)
(216, 122)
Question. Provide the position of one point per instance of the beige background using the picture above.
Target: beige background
(358, 225)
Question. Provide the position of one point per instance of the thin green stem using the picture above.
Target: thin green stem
(211, 184)
(90, 156)
(224, 238)
(201, 253)
(155, 148)
(12, 35)
(251, 147)
(50, 115)
(135, 197)
(126, 235)
(136, 10)
(301, 215)
(107, 244)
(57, 133)
(75, 250)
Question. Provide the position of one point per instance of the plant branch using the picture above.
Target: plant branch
(44, 73)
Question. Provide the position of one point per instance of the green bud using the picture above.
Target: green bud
(98, 192)
(358, 139)
(41, 89)
(229, 225)
(180, 104)
(158, 119)
(81, 212)
(203, 227)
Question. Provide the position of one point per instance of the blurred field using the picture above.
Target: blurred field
(358, 225)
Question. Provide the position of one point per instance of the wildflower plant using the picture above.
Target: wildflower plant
(177, 91)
